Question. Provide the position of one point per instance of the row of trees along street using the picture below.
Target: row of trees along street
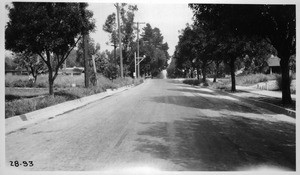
(150, 44)
(43, 36)
(236, 36)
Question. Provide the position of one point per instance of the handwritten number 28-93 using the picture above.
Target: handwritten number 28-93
(24, 163)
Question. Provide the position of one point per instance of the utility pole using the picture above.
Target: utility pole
(137, 62)
(115, 49)
(138, 45)
(85, 50)
(86, 62)
(94, 80)
(120, 45)
(135, 65)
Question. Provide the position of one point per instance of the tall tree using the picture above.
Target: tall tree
(155, 50)
(110, 27)
(50, 30)
(107, 64)
(127, 13)
(275, 23)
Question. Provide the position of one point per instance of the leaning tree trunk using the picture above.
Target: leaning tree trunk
(285, 83)
(232, 72)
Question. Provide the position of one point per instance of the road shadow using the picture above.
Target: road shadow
(208, 101)
(200, 91)
(268, 99)
(232, 143)
(272, 100)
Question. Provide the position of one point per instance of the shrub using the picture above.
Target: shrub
(29, 83)
(8, 84)
(279, 83)
(19, 83)
(252, 79)
(41, 85)
(138, 81)
(49, 101)
(226, 85)
(19, 107)
(293, 76)
(195, 82)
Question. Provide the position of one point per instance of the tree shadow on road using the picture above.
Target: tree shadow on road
(208, 101)
(201, 91)
(229, 143)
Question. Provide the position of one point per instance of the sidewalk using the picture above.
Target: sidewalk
(268, 99)
(22, 121)
(252, 89)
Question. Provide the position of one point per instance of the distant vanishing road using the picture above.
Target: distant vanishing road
(159, 125)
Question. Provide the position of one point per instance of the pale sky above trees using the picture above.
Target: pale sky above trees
(169, 18)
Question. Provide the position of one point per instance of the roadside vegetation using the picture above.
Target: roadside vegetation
(243, 80)
(225, 38)
(46, 50)
(26, 99)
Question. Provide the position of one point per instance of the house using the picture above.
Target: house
(274, 64)
(72, 70)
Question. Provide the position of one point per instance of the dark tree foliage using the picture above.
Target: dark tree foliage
(50, 30)
(107, 65)
(275, 23)
(185, 51)
(155, 50)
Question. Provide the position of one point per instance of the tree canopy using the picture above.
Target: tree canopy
(50, 30)
(155, 50)
(274, 23)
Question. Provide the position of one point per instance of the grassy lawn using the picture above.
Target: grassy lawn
(245, 80)
(22, 99)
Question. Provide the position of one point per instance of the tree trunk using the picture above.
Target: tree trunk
(186, 74)
(192, 73)
(35, 78)
(51, 82)
(203, 74)
(198, 73)
(216, 72)
(50, 73)
(232, 72)
(285, 83)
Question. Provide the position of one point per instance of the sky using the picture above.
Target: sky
(169, 18)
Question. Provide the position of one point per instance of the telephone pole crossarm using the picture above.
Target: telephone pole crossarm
(138, 46)
(142, 58)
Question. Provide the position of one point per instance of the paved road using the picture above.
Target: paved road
(159, 125)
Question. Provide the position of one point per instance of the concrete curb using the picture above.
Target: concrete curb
(21, 121)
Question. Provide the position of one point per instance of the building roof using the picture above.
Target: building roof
(273, 61)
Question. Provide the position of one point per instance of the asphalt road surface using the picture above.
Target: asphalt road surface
(159, 125)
